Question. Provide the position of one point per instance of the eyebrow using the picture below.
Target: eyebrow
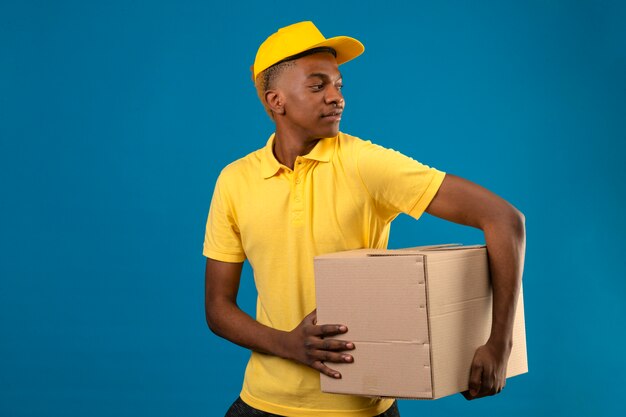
(323, 76)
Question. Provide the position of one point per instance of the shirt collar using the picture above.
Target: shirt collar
(269, 164)
(322, 152)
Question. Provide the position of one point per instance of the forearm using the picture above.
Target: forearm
(227, 320)
(506, 245)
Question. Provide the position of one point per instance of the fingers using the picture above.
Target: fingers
(319, 351)
(315, 343)
(325, 370)
(487, 373)
(326, 330)
(317, 357)
(491, 383)
(323, 330)
(319, 347)
(328, 350)
(475, 381)
(483, 382)
(328, 356)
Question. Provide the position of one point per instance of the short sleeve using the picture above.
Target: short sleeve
(222, 239)
(396, 182)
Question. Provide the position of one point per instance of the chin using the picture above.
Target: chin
(329, 133)
(321, 131)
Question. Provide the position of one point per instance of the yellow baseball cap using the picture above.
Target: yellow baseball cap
(300, 37)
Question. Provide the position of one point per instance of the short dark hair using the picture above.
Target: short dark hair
(266, 78)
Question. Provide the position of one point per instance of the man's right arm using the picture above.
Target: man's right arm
(308, 343)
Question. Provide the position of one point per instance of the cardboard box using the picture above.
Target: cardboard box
(416, 317)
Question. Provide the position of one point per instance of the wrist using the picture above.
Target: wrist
(281, 344)
(502, 344)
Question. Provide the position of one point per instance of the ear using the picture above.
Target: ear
(275, 101)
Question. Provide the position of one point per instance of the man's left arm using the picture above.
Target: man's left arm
(464, 202)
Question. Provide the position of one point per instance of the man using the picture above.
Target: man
(311, 190)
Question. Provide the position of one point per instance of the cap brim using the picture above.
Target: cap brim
(347, 48)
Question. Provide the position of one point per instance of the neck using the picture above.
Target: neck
(289, 145)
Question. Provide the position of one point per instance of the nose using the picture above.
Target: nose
(334, 96)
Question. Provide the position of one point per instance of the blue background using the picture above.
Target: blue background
(116, 118)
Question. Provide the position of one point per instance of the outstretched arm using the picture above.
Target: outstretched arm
(308, 343)
(461, 201)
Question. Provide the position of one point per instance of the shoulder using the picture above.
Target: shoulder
(358, 148)
(347, 140)
(352, 146)
(242, 168)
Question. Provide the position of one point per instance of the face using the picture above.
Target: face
(311, 98)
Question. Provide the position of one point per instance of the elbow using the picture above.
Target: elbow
(211, 317)
(517, 222)
(209, 322)
(216, 312)
(507, 220)
(213, 326)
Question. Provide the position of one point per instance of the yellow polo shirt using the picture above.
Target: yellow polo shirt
(343, 195)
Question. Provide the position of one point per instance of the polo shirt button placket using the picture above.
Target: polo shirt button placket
(298, 198)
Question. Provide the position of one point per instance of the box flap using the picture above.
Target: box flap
(454, 247)
(426, 249)
(423, 250)
(355, 253)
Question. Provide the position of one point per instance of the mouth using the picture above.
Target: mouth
(333, 115)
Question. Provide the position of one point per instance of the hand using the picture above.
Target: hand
(488, 372)
(308, 344)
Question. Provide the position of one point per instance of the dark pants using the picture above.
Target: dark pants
(241, 409)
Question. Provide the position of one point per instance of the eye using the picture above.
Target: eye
(317, 87)
(340, 87)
